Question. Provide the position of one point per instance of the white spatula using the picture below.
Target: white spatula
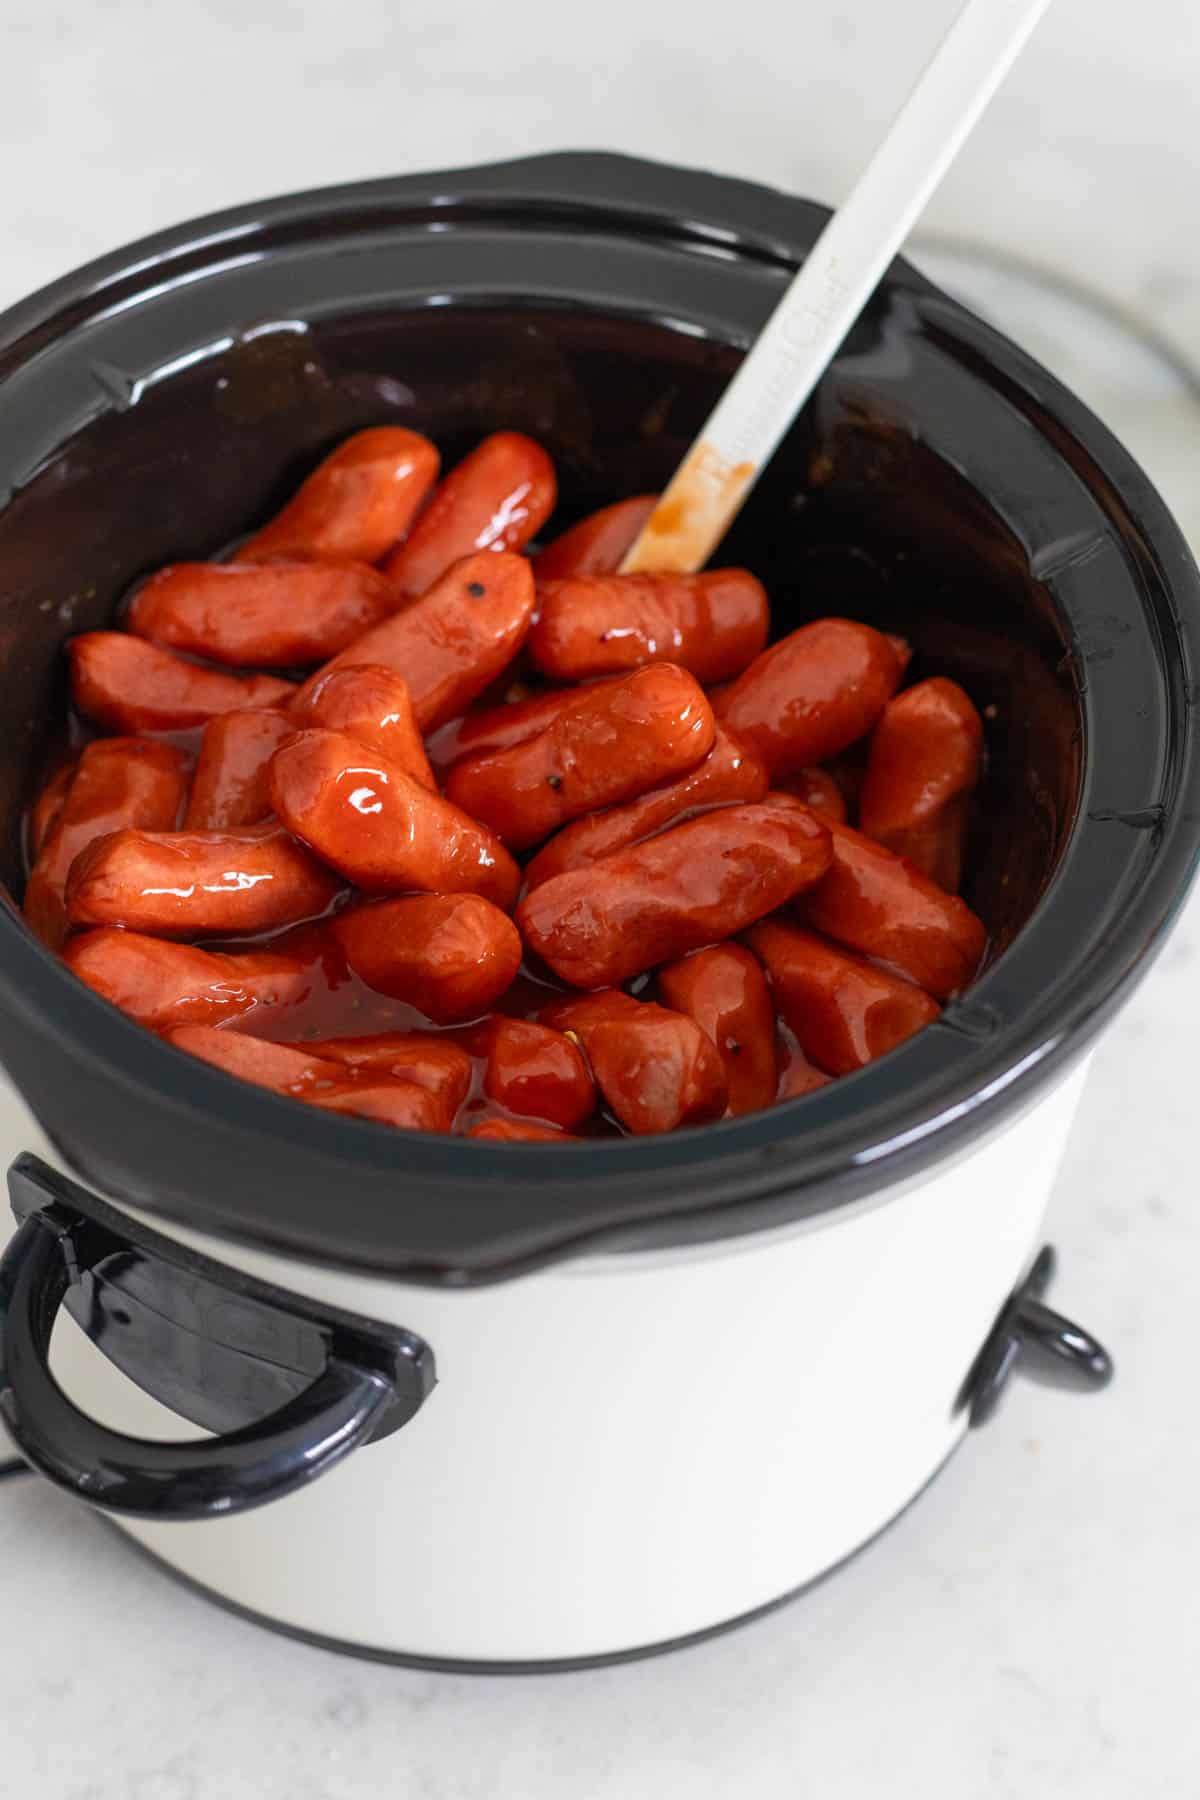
(802, 335)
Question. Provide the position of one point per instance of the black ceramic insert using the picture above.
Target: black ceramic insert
(158, 403)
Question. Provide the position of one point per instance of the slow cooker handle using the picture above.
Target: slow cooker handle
(342, 1408)
(1044, 1344)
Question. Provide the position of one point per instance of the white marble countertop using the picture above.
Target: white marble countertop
(1030, 1628)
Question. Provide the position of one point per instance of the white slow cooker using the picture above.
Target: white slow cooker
(514, 1405)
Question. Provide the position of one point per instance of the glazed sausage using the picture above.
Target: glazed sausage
(126, 684)
(490, 728)
(812, 694)
(818, 790)
(534, 1071)
(656, 1069)
(193, 883)
(844, 1012)
(44, 813)
(714, 625)
(613, 744)
(372, 704)
(449, 955)
(355, 505)
(454, 641)
(724, 989)
(497, 498)
(876, 903)
(118, 782)
(399, 1103)
(163, 985)
(231, 784)
(505, 1131)
(285, 1068)
(728, 773)
(386, 833)
(271, 615)
(597, 545)
(417, 1056)
(924, 761)
(695, 884)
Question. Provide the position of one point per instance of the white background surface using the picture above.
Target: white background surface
(1031, 1628)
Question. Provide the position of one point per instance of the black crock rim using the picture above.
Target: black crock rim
(955, 1081)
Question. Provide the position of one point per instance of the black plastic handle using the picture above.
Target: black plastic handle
(342, 1407)
(1031, 1335)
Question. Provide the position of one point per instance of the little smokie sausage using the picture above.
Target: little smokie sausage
(43, 814)
(724, 989)
(399, 1103)
(692, 885)
(728, 773)
(613, 744)
(812, 694)
(355, 505)
(924, 761)
(514, 1131)
(372, 704)
(231, 784)
(656, 1069)
(194, 883)
(272, 615)
(597, 545)
(390, 1099)
(880, 905)
(418, 1056)
(118, 782)
(127, 684)
(534, 1071)
(285, 1068)
(844, 1012)
(497, 498)
(455, 640)
(713, 624)
(163, 985)
(369, 819)
(449, 955)
(484, 729)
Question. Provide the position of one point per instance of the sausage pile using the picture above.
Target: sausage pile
(515, 846)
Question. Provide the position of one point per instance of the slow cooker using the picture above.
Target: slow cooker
(519, 1405)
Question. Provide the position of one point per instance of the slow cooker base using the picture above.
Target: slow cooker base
(562, 1665)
